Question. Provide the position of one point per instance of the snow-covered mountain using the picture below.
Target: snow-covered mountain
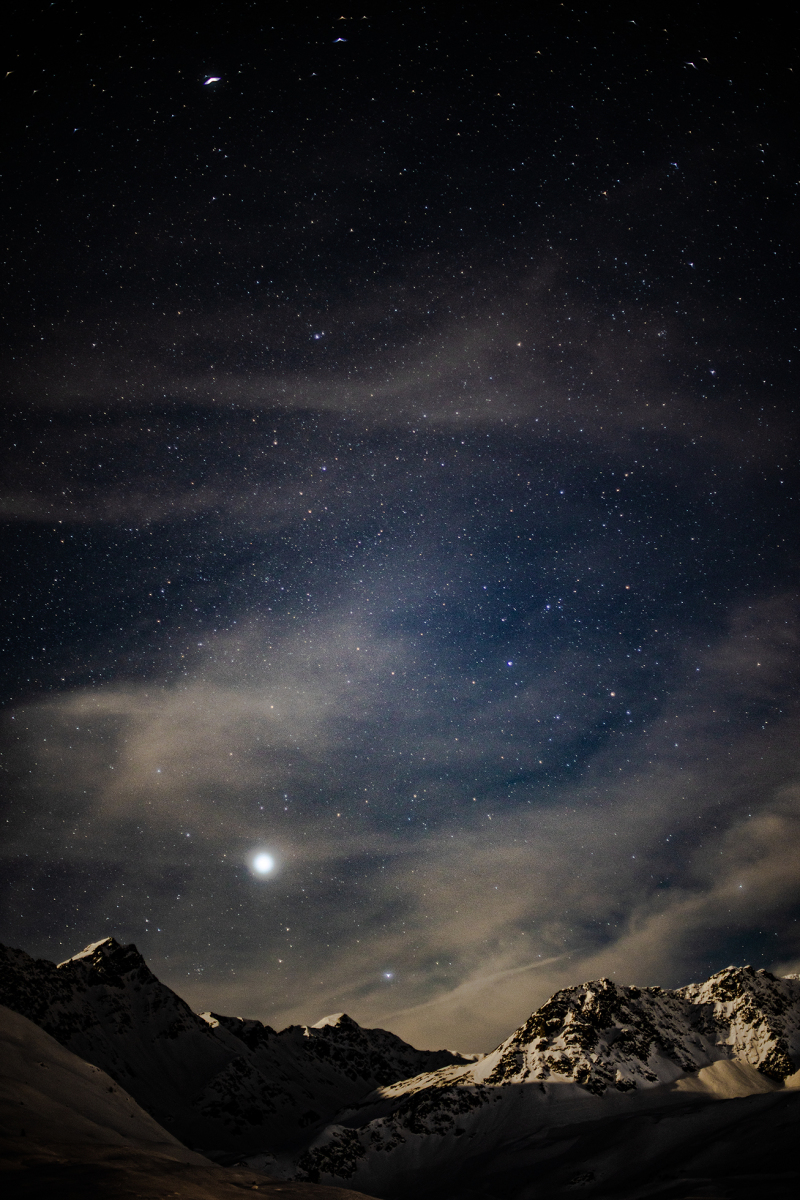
(755, 1016)
(599, 1082)
(221, 1084)
(590, 1053)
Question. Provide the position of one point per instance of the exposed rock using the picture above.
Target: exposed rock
(754, 1014)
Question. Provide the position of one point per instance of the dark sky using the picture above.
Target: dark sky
(401, 480)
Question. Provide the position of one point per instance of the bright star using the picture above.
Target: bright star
(263, 864)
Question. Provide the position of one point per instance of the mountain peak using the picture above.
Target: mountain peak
(101, 949)
(753, 1014)
(339, 1020)
(107, 960)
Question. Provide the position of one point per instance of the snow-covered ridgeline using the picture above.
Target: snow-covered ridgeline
(336, 1103)
(220, 1083)
(591, 1051)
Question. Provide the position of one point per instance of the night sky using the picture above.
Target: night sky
(401, 482)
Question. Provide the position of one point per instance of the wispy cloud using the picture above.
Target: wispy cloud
(671, 843)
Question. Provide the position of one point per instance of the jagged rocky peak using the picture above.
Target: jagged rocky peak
(339, 1020)
(94, 950)
(755, 1015)
(80, 992)
(601, 1034)
(345, 1030)
(107, 961)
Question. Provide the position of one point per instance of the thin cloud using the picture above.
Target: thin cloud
(635, 873)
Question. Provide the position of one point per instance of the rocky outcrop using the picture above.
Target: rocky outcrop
(754, 1015)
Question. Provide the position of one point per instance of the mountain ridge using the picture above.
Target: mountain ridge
(593, 1050)
(336, 1104)
(213, 1081)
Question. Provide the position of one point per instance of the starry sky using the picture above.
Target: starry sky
(401, 482)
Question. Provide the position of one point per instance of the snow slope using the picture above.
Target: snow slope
(67, 1129)
(49, 1095)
